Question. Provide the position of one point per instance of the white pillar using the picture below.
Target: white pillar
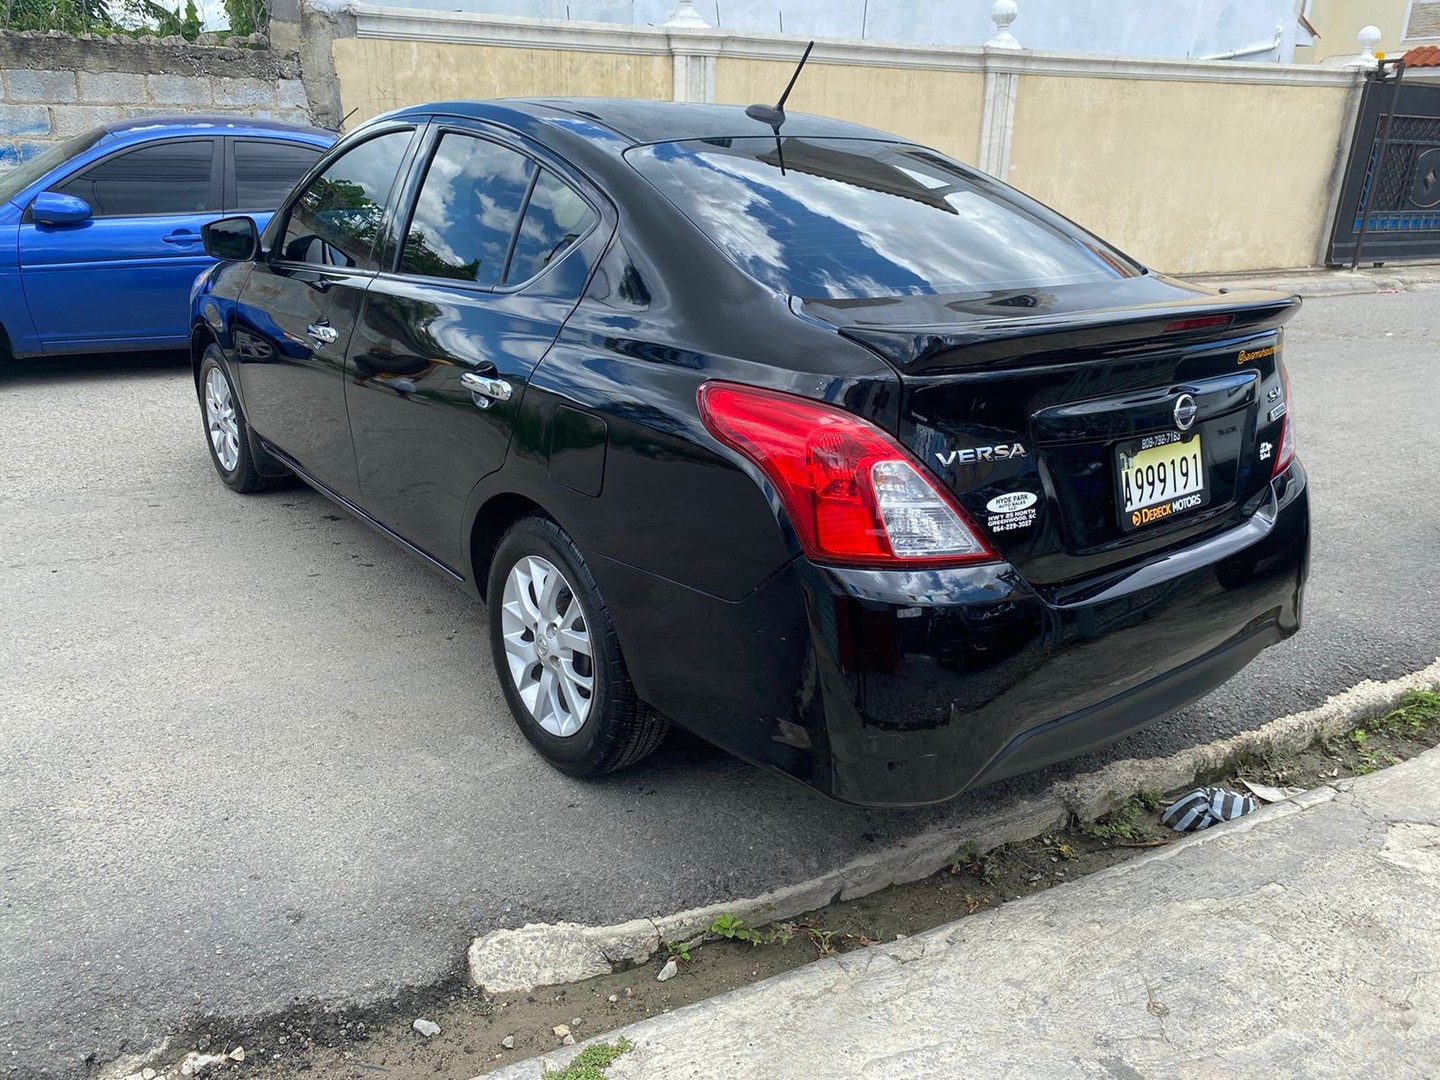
(692, 55)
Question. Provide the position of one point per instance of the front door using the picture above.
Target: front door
(122, 278)
(300, 304)
(495, 257)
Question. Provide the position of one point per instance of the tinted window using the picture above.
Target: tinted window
(555, 217)
(162, 178)
(467, 211)
(266, 171)
(336, 219)
(849, 218)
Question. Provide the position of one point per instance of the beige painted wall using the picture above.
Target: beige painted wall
(1338, 21)
(937, 108)
(1188, 177)
(378, 74)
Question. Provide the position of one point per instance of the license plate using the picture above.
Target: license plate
(1158, 477)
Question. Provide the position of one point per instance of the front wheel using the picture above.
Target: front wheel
(226, 433)
(558, 658)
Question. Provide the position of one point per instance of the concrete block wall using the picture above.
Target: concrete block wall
(53, 86)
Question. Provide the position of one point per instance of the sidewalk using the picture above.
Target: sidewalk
(1300, 941)
(1393, 277)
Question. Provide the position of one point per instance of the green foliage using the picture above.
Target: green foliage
(69, 16)
(728, 925)
(1418, 711)
(247, 16)
(680, 950)
(591, 1063)
(1123, 823)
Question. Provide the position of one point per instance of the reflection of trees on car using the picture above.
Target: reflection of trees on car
(339, 212)
(419, 258)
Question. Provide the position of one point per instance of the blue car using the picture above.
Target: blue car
(100, 236)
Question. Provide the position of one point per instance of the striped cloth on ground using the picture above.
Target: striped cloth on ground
(1204, 807)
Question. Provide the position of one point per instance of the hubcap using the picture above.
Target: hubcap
(547, 646)
(221, 420)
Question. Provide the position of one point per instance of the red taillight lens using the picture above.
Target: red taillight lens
(1286, 454)
(854, 495)
(1181, 325)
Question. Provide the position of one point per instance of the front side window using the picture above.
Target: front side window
(265, 172)
(25, 174)
(555, 217)
(846, 218)
(467, 211)
(337, 218)
(172, 177)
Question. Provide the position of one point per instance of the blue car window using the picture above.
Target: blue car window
(170, 177)
(337, 217)
(266, 170)
(555, 217)
(845, 218)
(467, 211)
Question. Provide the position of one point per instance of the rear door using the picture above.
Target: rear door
(123, 277)
(299, 307)
(261, 173)
(497, 247)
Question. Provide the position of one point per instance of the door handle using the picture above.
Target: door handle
(323, 333)
(182, 237)
(484, 390)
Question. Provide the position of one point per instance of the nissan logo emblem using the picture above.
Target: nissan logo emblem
(1185, 410)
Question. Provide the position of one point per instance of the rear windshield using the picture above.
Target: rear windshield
(847, 218)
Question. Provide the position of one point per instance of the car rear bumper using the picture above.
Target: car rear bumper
(895, 688)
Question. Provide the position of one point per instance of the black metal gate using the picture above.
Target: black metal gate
(1390, 202)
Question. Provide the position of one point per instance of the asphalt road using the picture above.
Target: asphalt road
(251, 752)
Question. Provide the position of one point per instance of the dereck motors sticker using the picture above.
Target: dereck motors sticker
(1011, 511)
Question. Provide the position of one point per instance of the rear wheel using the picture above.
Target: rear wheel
(558, 658)
(226, 432)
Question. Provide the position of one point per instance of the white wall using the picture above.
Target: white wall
(1157, 28)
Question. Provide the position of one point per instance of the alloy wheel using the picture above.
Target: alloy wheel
(221, 421)
(547, 646)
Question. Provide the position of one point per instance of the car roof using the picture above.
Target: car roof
(196, 123)
(637, 121)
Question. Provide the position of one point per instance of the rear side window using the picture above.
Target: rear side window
(467, 211)
(265, 172)
(555, 217)
(172, 177)
(846, 218)
(337, 217)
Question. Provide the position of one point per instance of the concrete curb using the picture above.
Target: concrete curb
(538, 954)
(857, 966)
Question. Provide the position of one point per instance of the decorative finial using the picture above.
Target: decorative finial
(1002, 15)
(1367, 39)
(686, 17)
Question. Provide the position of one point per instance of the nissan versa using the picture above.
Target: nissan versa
(830, 449)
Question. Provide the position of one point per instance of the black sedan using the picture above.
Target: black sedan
(818, 443)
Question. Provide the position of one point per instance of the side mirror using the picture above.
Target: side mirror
(53, 208)
(234, 239)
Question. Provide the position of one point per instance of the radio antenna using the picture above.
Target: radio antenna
(774, 115)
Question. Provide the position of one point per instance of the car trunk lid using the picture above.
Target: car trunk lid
(1037, 409)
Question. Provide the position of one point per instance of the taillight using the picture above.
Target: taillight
(854, 495)
(1286, 453)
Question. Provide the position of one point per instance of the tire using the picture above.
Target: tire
(580, 734)
(226, 432)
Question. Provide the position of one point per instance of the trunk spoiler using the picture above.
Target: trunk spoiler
(1017, 339)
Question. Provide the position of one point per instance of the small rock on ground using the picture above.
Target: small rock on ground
(426, 1027)
(568, 1040)
(561, 1030)
(669, 971)
(508, 1042)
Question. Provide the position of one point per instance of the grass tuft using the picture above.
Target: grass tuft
(591, 1063)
